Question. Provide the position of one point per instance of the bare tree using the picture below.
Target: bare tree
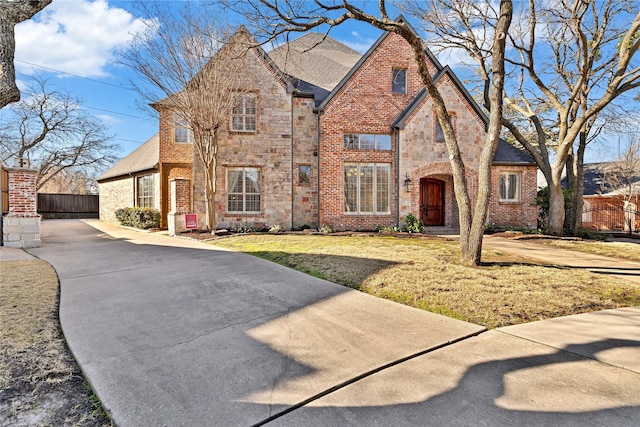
(194, 64)
(50, 129)
(568, 60)
(12, 12)
(271, 19)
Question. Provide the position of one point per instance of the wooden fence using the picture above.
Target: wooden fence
(5, 190)
(68, 205)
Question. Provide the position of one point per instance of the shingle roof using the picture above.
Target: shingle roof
(317, 59)
(145, 157)
(507, 154)
(595, 184)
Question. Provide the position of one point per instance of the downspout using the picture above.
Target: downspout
(318, 112)
(398, 185)
(1, 210)
(293, 176)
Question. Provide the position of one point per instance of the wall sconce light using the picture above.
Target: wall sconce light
(408, 184)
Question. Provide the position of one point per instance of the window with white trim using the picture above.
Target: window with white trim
(181, 132)
(243, 115)
(144, 191)
(367, 188)
(510, 186)
(365, 141)
(244, 190)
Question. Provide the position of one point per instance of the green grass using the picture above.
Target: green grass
(425, 273)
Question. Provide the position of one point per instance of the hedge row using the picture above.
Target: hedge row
(139, 217)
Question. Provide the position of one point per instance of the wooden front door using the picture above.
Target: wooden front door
(432, 201)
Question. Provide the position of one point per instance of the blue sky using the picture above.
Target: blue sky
(73, 42)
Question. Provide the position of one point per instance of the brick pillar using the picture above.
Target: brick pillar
(180, 189)
(21, 226)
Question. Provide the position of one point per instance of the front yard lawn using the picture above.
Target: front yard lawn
(424, 273)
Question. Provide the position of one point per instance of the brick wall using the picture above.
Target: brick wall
(523, 213)
(365, 104)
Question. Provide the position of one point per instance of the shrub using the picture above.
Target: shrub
(386, 229)
(143, 218)
(243, 229)
(327, 229)
(276, 229)
(413, 224)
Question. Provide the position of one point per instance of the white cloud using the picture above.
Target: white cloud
(77, 37)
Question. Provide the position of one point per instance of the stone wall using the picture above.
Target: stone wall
(121, 193)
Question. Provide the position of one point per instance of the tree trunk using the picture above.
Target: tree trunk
(210, 195)
(569, 211)
(578, 196)
(556, 202)
(12, 13)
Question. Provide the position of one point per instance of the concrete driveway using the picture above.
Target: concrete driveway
(174, 332)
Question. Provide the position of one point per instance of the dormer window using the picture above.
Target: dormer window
(399, 81)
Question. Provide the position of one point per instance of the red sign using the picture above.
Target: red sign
(191, 221)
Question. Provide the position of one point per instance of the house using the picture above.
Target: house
(326, 136)
(609, 205)
(134, 181)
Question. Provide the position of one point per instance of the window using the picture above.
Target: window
(510, 187)
(586, 211)
(364, 141)
(145, 191)
(243, 115)
(438, 135)
(243, 190)
(181, 132)
(304, 174)
(399, 82)
(367, 188)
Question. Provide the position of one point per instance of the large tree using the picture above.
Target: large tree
(12, 12)
(52, 131)
(271, 19)
(190, 65)
(568, 60)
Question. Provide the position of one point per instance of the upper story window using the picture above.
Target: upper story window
(399, 81)
(304, 174)
(364, 141)
(243, 115)
(439, 133)
(510, 186)
(181, 132)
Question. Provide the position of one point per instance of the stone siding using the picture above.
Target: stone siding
(121, 193)
(268, 149)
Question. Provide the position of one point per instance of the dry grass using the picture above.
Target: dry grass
(424, 273)
(630, 251)
(40, 383)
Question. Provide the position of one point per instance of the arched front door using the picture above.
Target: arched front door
(432, 201)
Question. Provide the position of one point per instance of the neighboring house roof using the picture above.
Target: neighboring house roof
(315, 59)
(145, 157)
(595, 182)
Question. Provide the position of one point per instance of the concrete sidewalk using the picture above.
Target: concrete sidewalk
(176, 332)
(620, 268)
